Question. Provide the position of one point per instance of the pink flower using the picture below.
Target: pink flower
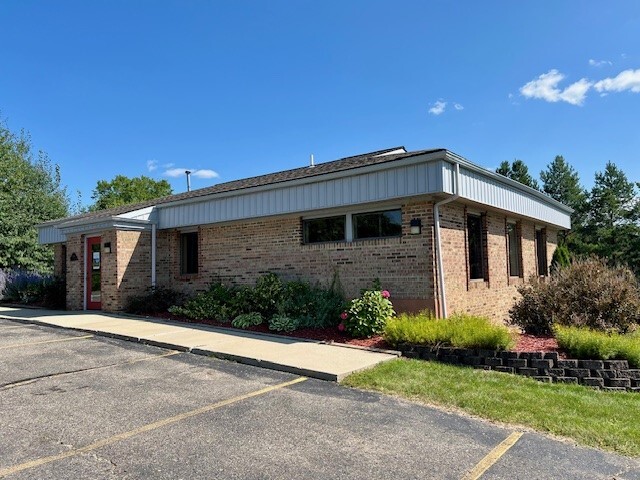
(341, 327)
(343, 315)
(385, 294)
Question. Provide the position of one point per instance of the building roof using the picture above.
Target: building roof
(369, 178)
(347, 163)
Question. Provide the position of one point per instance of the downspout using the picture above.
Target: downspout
(153, 255)
(436, 218)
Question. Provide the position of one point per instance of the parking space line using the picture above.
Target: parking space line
(89, 369)
(144, 428)
(67, 339)
(493, 456)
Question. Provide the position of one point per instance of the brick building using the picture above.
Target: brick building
(439, 232)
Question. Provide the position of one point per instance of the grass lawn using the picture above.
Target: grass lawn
(607, 420)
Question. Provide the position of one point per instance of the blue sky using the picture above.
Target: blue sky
(238, 88)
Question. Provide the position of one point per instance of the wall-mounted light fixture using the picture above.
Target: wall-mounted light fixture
(107, 247)
(416, 226)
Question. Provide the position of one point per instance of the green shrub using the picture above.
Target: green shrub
(589, 344)
(313, 306)
(561, 258)
(587, 293)
(268, 294)
(54, 293)
(368, 314)
(154, 300)
(212, 304)
(459, 330)
(246, 320)
(282, 323)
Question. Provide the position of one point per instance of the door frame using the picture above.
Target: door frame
(89, 242)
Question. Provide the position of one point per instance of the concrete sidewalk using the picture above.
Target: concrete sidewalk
(294, 355)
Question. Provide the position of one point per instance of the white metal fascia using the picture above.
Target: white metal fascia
(455, 158)
(417, 159)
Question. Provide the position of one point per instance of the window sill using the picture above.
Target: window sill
(187, 277)
(477, 284)
(353, 243)
(516, 280)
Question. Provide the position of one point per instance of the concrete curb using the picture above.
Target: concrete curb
(196, 350)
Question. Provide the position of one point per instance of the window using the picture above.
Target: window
(377, 224)
(541, 251)
(329, 229)
(188, 253)
(476, 244)
(515, 252)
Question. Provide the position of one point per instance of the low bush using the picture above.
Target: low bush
(589, 344)
(246, 320)
(282, 323)
(212, 304)
(32, 288)
(459, 330)
(311, 306)
(368, 314)
(24, 287)
(54, 293)
(154, 300)
(586, 293)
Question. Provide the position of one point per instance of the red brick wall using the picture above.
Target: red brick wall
(241, 252)
(494, 296)
(75, 272)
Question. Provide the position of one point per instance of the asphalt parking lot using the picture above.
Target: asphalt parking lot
(74, 405)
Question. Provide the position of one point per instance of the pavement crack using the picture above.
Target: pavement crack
(27, 381)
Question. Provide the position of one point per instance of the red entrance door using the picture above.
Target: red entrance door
(94, 277)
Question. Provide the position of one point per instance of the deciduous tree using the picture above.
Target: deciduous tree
(30, 193)
(124, 190)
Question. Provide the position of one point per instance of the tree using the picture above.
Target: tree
(30, 193)
(124, 190)
(561, 182)
(612, 228)
(519, 172)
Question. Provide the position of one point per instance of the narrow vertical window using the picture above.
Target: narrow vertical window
(541, 252)
(188, 253)
(515, 254)
(476, 247)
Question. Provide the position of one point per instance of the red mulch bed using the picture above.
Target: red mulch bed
(525, 343)
(321, 334)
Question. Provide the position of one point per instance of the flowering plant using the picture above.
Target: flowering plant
(368, 314)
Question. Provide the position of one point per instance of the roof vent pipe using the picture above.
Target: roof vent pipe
(436, 217)
(188, 173)
(311, 162)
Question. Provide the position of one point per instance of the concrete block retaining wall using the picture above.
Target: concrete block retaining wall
(546, 367)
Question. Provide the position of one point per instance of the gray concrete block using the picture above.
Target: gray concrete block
(541, 363)
(592, 381)
(591, 364)
(618, 382)
(565, 380)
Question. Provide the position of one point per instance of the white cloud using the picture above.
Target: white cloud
(178, 172)
(175, 172)
(438, 108)
(457, 106)
(152, 165)
(545, 87)
(626, 80)
(205, 173)
(599, 63)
